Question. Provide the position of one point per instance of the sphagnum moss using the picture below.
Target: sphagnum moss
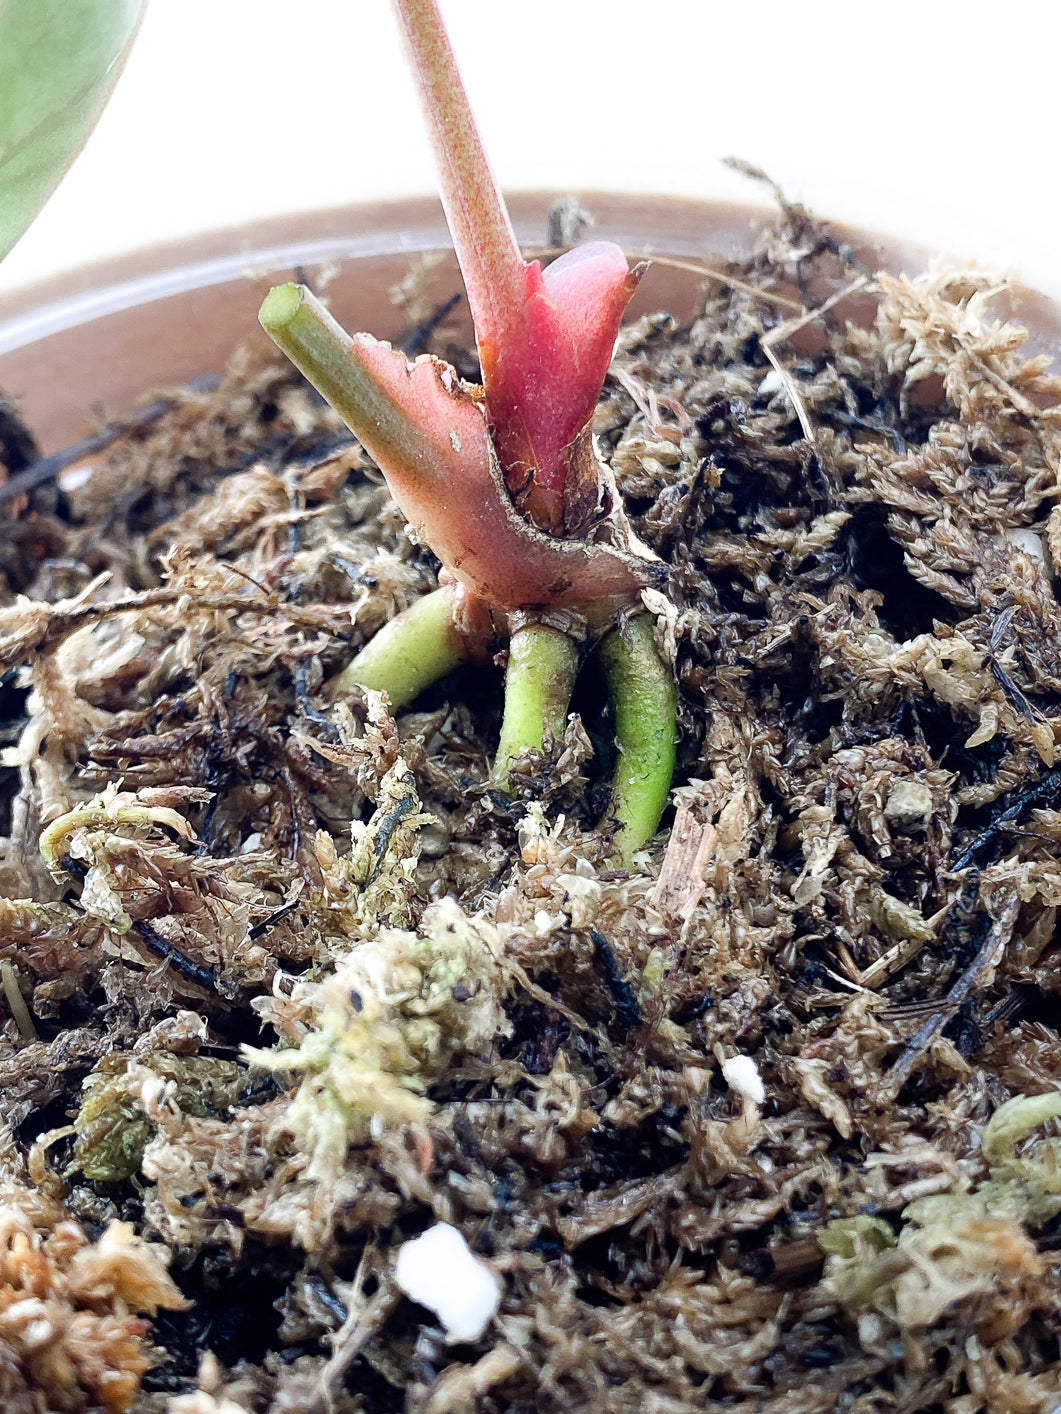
(867, 653)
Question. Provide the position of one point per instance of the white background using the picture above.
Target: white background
(933, 120)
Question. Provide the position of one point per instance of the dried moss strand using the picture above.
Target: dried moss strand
(645, 704)
(415, 649)
(44, 469)
(542, 664)
(358, 1330)
(16, 1002)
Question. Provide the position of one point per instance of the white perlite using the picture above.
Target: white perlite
(439, 1270)
(742, 1075)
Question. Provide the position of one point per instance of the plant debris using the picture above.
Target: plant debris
(768, 1125)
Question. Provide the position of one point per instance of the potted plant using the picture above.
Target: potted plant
(747, 1114)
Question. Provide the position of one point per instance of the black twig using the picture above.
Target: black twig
(277, 915)
(1006, 1010)
(182, 965)
(414, 341)
(622, 994)
(867, 424)
(48, 467)
(151, 938)
(986, 956)
(328, 729)
(1045, 789)
(383, 831)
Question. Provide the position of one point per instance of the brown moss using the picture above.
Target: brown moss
(860, 894)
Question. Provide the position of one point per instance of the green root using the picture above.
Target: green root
(542, 664)
(408, 654)
(422, 645)
(645, 705)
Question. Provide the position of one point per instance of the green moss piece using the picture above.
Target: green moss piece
(112, 1128)
(1025, 1180)
(112, 1133)
(855, 1237)
(960, 1247)
(392, 1017)
(1015, 1121)
(951, 1253)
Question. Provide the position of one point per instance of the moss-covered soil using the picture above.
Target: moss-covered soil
(286, 982)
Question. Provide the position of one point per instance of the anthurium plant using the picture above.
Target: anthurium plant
(504, 481)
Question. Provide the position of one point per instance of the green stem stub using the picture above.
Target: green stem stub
(323, 352)
(542, 664)
(645, 705)
(408, 654)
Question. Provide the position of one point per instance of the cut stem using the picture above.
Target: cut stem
(408, 654)
(324, 353)
(645, 705)
(542, 664)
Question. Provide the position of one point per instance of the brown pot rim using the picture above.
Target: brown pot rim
(59, 337)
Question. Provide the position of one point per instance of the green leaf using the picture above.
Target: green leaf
(59, 60)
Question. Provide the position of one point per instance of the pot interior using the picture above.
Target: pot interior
(95, 342)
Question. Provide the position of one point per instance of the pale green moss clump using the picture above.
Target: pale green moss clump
(967, 1247)
(370, 1039)
(112, 1125)
(1024, 1182)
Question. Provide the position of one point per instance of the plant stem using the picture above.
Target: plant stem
(542, 664)
(415, 649)
(485, 242)
(324, 353)
(645, 704)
